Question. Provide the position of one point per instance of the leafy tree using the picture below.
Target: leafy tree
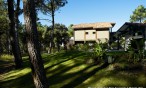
(47, 38)
(13, 35)
(60, 35)
(50, 7)
(33, 45)
(41, 33)
(22, 38)
(139, 14)
(65, 39)
(3, 17)
(70, 30)
(3, 26)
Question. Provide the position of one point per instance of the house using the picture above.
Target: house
(92, 32)
(129, 31)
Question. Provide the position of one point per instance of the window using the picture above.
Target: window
(93, 32)
(86, 32)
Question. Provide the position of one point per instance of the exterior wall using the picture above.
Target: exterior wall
(103, 35)
(90, 36)
(79, 35)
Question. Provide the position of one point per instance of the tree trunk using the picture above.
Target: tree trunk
(1, 49)
(33, 45)
(8, 44)
(13, 35)
(50, 49)
(52, 32)
(58, 46)
(16, 28)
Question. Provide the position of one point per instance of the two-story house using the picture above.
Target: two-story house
(92, 32)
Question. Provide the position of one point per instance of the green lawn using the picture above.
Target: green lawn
(69, 70)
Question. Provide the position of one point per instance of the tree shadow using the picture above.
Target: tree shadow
(84, 76)
(57, 74)
(6, 66)
(24, 81)
(64, 57)
(120, 79)
(57, 63)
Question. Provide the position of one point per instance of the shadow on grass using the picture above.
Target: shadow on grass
(24, 81)
(63, 57)
(55, 76)
(115, 78)
(6, 66)
(83, 77)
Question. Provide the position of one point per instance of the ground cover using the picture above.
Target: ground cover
(70, 70)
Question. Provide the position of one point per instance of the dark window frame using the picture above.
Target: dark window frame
(93, 32)
(86, 33)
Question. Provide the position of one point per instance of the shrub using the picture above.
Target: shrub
(99, 52)
(135, 49)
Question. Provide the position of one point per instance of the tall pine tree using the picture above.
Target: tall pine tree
(13, 35)
(139, 14)
(38, 72)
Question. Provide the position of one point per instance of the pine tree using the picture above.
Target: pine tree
(139, 14)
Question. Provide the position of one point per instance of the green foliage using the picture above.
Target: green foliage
(60, 35)
(41, 31)
(95, 52)
(4, 26)
(99, 50)
(46, 7)
(82, 47)
(70, 30)
(139, 14)
(136, 52)
(114, 44)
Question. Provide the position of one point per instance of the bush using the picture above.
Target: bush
(98, 53)
(136, 50)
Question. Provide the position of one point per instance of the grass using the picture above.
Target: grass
(6, 63)
(69, 70)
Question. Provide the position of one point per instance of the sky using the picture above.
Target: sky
(90, 11)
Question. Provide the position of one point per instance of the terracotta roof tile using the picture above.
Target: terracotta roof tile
(94, 25)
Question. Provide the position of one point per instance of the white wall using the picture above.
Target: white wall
(103, 35)
(90, 35)
(79, 35)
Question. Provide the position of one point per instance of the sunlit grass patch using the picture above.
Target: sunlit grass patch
(112, 78)
(111, 81)
(6, 57)
(14, 74)
(75, 69)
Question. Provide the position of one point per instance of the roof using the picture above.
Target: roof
(126, 25)
(94, 25)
